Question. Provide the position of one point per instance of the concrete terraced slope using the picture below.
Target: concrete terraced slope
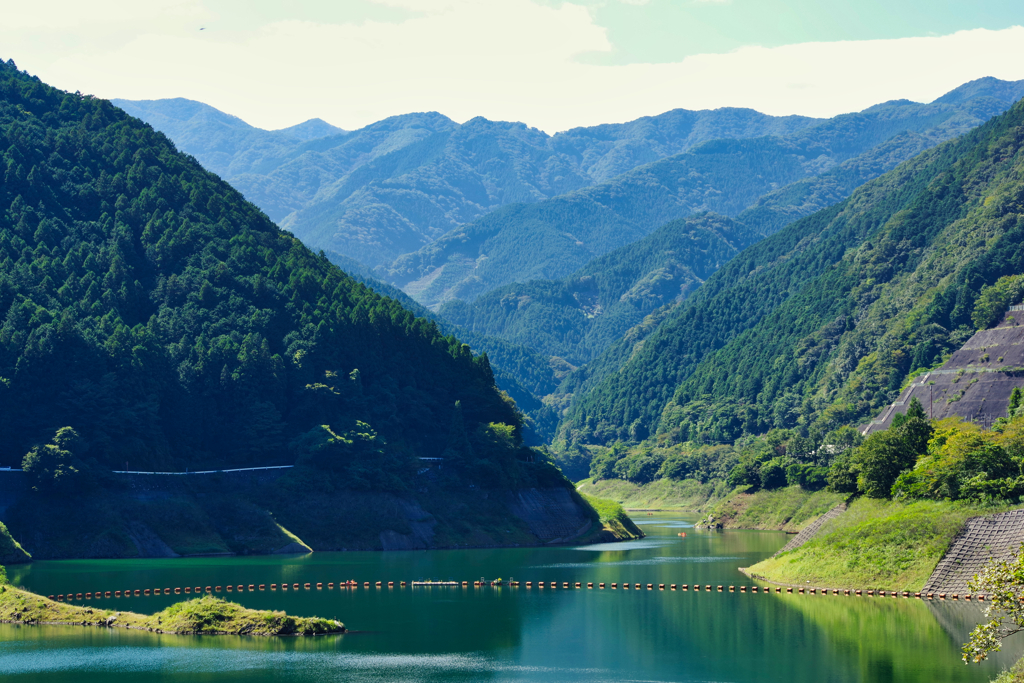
(809, 531)
(975, 383)
(980, 540)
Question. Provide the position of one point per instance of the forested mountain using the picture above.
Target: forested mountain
(172, 325)
(552, 238)
(391, 187)
(577, 317)
(821, 324)
(520, 371)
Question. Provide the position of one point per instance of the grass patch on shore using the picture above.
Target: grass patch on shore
(11, 551)
(785, 509)
(613, 518)
(201, 616)
(875, 544)
(662, 494)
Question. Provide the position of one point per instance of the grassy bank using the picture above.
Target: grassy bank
(663, 494)
(613, 518)
(785, 509)
(875, 544)
(201, 616)
(11, 551)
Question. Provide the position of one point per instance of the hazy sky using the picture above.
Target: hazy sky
(551, 64)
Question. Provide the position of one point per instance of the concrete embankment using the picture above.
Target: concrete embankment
(981, 540)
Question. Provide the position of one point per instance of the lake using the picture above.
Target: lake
(506, 634)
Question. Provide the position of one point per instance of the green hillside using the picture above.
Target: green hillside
(820, 324)
(598, 315)
(520, 371)
(577, 317)
(172, 325)
(553, 238)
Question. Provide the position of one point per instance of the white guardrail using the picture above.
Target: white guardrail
(243, 469)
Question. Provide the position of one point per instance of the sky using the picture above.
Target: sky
(551, 64)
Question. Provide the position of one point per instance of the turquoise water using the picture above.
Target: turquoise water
(505, 634)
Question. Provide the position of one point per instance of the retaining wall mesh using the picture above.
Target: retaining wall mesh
(980, 540)
(808, 532)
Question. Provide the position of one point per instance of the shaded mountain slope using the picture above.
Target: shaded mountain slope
(577, 317)
(172, 324)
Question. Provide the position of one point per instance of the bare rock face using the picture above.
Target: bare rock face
(552, 514)
(975, 383)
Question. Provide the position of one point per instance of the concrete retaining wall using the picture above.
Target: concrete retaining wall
(808, 532)
(981, 539)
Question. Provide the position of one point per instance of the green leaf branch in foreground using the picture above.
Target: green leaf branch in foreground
(1002, 583)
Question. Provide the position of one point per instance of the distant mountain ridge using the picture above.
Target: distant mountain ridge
(391, 187)
(554, 237)
(822, 323)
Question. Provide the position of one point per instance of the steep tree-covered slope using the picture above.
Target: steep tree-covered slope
(171, 324)
(820, 324)
(577, 317)
(521, 372)
(551, 239)
(581, 316)
(393, 186)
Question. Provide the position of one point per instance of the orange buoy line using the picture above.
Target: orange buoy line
(366, 585)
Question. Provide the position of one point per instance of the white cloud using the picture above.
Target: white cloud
(50, 15)
(503, 59)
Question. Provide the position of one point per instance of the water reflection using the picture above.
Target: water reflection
(469, 634)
